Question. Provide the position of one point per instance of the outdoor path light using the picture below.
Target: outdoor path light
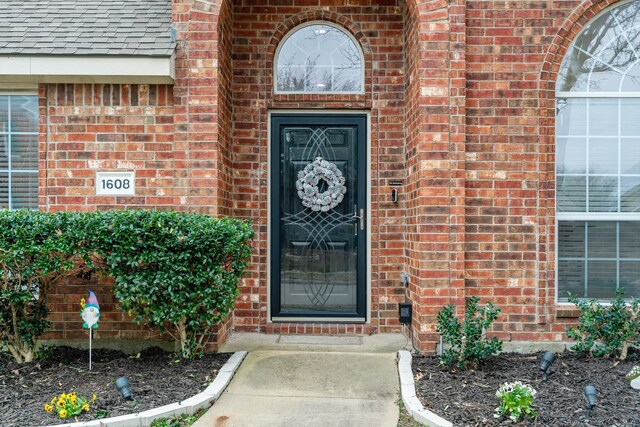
(590, 397)
(545, 364)
(122, 384)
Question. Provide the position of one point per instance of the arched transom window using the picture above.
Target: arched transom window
(319, 58)
(598, 158)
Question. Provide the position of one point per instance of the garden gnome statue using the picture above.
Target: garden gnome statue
(91, 311)
(91, 314)
(634, 377)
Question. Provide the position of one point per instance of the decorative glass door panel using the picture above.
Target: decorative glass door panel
(318, 217)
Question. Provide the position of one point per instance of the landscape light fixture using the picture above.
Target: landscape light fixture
(590, 397)
(545, 364)
(122, 384)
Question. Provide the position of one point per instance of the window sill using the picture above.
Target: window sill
(567, 311)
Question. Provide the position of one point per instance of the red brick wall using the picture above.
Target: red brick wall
(100, 127)
(514, 50)
(503, 64)
(480, 161)
(435, 160)
(412, 138)
(103, 127)
(175, 137)
(461, 100)
(204, 93)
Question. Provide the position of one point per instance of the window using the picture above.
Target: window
(18, 151)
(319, 58)
(598, 158)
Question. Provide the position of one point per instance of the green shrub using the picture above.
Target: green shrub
(174, 270)
(467, 340)
(606, 330)
(36, 250)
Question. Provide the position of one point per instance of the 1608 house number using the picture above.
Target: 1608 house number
(115, 183)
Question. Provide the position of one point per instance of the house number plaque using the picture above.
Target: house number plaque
(115, 183)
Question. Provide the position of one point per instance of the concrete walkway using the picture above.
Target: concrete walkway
(311, 381)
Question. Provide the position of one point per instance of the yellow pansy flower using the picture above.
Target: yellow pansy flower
(62, 413)
(94, 398)
(53, 399)
(63, 396)
(61, 403)
(73, 399)
(85, 407)
(48, 408)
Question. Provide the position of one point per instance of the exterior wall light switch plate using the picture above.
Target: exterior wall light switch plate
(405, 311)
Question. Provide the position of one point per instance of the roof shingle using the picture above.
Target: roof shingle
(86, 27)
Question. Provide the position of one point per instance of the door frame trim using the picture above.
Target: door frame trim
(303, 112)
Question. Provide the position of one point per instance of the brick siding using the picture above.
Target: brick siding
(461, 102)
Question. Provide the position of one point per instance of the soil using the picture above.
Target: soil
(156, 378)
(467, 398)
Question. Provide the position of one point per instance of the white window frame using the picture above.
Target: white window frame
(587, 217)
(590, 216)
(8, 134)
(308, 24)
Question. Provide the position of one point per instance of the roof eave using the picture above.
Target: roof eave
(87, 69)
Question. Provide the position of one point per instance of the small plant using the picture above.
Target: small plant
(68, 405)
(516, 399)
(467, 339)
(182, 420)
(43, 352)
(606, 330)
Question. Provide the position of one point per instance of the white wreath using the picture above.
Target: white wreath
(307, 185)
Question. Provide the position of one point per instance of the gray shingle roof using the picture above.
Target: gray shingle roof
(86, 27)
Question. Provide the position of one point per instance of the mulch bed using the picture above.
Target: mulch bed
(467, 398)
(156, 377)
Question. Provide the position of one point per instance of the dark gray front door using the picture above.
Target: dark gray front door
(318, 216)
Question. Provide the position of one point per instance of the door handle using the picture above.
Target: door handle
(360, 218)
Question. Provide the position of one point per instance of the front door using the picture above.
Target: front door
(318, 216)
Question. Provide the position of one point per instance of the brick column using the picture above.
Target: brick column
(203, 103)
(435, 124)
(203, 112)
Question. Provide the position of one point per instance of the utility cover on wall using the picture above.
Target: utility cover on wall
(405, 312)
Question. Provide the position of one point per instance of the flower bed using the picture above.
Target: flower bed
(156, 377)
(468, 398)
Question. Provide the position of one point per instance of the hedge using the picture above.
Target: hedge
(173, 270)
